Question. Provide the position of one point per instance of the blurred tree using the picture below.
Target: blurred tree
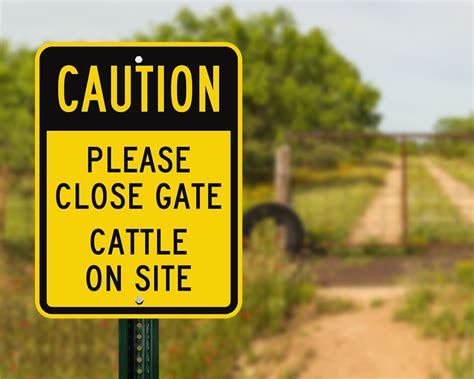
(454, 147)
(292, 80)
(16, 108)
(455, 124)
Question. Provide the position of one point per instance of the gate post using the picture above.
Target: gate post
(404, 190)
(282, 187)
(282, 175)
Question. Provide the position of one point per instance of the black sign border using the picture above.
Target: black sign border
(236, 180)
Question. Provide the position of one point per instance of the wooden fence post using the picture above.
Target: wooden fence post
(282, 187)
(404, 191)
(282, 175)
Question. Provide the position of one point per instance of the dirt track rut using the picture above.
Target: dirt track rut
(382, 221)
(457, 192)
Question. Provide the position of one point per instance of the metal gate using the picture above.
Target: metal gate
(360, 190)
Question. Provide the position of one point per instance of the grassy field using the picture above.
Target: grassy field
(328, 201)
(37, 348)
(331, 202)
(461, 169)
(257, 194)
(442, 306)
(20, 220)
(207, 349)
(432, 217)
(33, 347)
(319, 196)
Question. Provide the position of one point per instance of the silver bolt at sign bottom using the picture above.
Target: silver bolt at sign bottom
(139, 300)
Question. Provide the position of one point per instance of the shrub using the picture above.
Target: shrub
(464, 273)
(273, 286)
(447, 314)
(317, 155)
(258, 160)
(333, 306)
(416, 306)
(38, 348)
(442, 325)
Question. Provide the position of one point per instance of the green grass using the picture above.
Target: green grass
(33, 347)
(377, 302)
(333, 306)
(330, 212)
(432, 217)
(256, 194)
(208, 348)
(461, 169)
(442, 306)
(37, 348)
(331, 202)
(20, 219)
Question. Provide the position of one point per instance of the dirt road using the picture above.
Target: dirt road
(457, 192)
(365, 343)
(382, 221)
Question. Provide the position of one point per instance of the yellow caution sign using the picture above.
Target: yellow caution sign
(138, 180)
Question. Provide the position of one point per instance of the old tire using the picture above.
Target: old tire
(283, 216)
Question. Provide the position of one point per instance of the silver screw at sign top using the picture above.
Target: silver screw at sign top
(139, 300)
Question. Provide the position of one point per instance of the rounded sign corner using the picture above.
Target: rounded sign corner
(235, 49)
(43, 48)
(43, 309)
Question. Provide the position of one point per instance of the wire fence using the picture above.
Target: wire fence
(366, 190)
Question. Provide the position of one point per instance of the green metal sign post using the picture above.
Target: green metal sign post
(138, 349)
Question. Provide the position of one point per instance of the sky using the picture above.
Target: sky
(420, 55)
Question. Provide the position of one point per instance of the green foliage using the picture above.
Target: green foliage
(464, 273)
(38, 348)
(20, 217)
(433, 217)
(16, 108)
(35, 347)
(292, 80)
(320, 194)
(417, 305)
(455, 124)
(377, 302)
(453, 147)
(460, 364)
(191, 349)
(255, 194)
(441, 305)
(258, 161)
(466, 326)
(442, 325)
(318, 155)
(460, 168)
(333, 306)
